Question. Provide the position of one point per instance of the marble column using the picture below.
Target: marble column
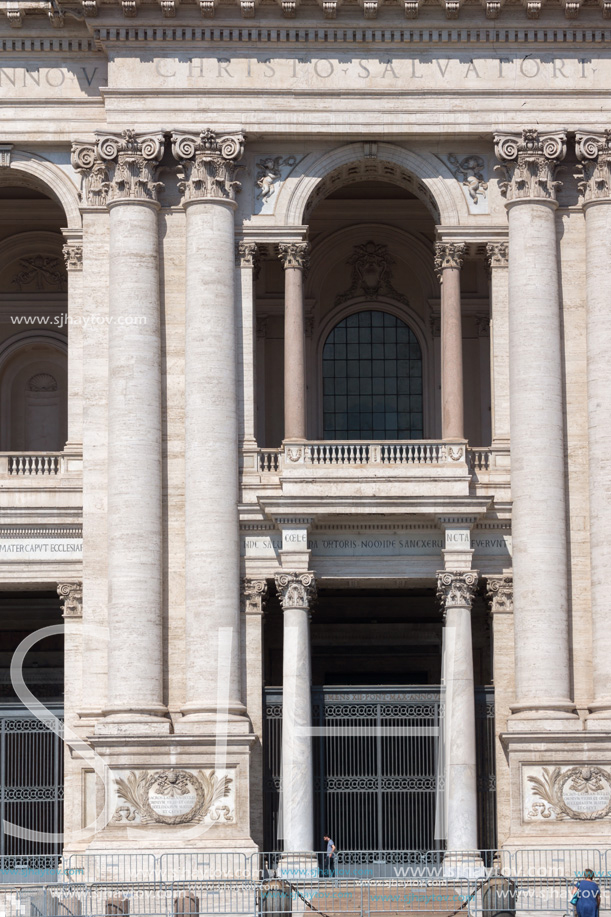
(530, 161)
(248, 265)
(500, 595)
(297, 592)
(455, 591)
(212, 551)
(448, 262)
(128, 163)
(294, 257)
(73, 257)
(497, 257)
(254, 593)
(594, 151)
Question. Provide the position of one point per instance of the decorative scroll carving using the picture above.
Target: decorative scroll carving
(73, 256)
(370, 8)
(469, 172)
(119, 167)
(294, 254)
(42, 382)
(594, 152)
(255, 594)
(529, 162)
(449, 255)
(456, 589)
(248, 256)
(168, 8)
(412, 8)
(500, 593)
(296, 590)
(209, 164)
(330, 8)
(41, 272)
(71, 595)
(371, 274)
(581, 793)
(497, 254)
(172, 797)
(289, 8)
(248, 7)
(90, 8)
(493, 8)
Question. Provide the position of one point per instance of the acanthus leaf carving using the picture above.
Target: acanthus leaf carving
(296, 590)
(594, 154)
(500, 593)
(209, 164)
(248, 255)
(119, 167)
(456, 589)
(71, 595)
(172, 797)
(497, 254)
(529, 162)
(255, 594)
(73, 256)
(372, 274)
(449, 255)
(294, 254)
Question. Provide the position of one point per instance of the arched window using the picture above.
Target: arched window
(372, 379)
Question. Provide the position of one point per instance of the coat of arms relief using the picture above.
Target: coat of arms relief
(173, 797)
(581, 793)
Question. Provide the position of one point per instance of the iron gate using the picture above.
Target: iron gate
(31, 787)
(376, 789)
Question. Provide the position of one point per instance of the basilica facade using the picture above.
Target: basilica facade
(305, 426)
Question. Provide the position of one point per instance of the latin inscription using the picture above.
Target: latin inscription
(66, 79)
(363, 545)
(45, 549)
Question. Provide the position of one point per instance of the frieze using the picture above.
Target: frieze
(173, 797)
(578, 793)
(375, 543)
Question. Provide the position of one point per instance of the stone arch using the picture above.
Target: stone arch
(432, 182)
(32, 171)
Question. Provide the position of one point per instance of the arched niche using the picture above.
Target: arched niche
(29, 170)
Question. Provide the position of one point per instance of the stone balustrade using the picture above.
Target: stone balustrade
(38, 464)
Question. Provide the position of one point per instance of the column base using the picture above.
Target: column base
(134, 722)
(200, 719)
(547, 716)
(599, 717)
(463, 864)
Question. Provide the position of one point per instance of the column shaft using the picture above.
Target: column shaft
(448, 262)
(73, 256)
(499, 340)
(245, 276)
(294, 257)
(530, 161)
(134, 463)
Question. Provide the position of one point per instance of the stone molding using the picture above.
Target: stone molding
(456, 589)
(449, 255)
(73, 256)
(71, 596)
(529, 162)
(209, 164)
(296, 590)
(497, 254)
(119, 167)
(499, 590)
(593, 150)
(255, 594)
(294, 254)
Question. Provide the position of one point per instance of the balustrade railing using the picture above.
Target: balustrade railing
(269, 460)
(325, 453)
(30, 464)
(479, 459)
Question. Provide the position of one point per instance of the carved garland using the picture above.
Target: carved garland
(206, 789)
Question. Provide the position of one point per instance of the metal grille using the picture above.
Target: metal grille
(31, 787)
(376, 768)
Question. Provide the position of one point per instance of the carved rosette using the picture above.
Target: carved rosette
(294, 254)
(529, 162)
(209, 165)
(500, 594)
(119, 167)
(73, 256)
(594, 153)
(456, 589)
(296, 590)
(71, 596)
(449, 255)
(255, 594)
(497, 254)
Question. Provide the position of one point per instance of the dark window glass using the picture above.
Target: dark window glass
(374, 359)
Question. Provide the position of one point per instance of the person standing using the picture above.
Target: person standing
(330, 856)
(587, 896)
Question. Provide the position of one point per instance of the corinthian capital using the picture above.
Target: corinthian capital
(296, 590)
(294, 254)
(497, 254)
(71, 595)
(456, 590)
(449, 255)
(594, 152)
(119, 167)
(209, 164)
(529, 162)
(255, 593)
(500, 593)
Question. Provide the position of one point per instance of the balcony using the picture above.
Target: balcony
(49, 483)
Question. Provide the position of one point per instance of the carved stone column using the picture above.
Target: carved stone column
(124, 166)
(294, 257)
(455, 591)
(73, 256)
(448, 262)
(71, 597)
(594, 151)
(212, 572)
(530, 162)
(297, 592)
(247, 263)
(500, 596)
(254, 592)
(497, 257)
